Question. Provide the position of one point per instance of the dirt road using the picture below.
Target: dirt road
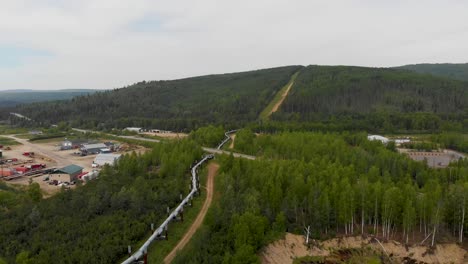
(212, 171)
(283, 96)
(36, 148)
(233, 138)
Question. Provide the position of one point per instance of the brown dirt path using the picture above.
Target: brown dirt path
(283, 96)
(233, 138)
(212, 171)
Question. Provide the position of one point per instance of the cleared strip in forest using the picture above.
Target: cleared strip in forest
(274, 105)
(212, 171)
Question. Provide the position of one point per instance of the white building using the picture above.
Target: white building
(382, 139)
(102, 159)
(399, 141)
(134, 129)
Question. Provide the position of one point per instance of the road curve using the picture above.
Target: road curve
(212, 171)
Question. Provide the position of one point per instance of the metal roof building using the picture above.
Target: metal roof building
(93, 148)
(72, 170)
(102, 159)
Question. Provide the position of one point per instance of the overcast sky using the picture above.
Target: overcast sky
(104, 44)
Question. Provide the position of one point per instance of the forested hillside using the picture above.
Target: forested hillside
(378, 100)
(15, 97)
(450, 70)
(339, 184)
(370, 98)
(94, 223)
(176, 105)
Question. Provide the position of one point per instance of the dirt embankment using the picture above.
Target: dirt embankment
(292, 246)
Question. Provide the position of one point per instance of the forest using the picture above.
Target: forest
(95, 222)
(457, 71)
(338, 183)
(329, 98)
(179, 105)
(386, 99)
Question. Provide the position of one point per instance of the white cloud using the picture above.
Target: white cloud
(97, 43)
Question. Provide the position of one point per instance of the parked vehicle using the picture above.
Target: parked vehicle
(53, 182)
(28, 154)
(36, 166)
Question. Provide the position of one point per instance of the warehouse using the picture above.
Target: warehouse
(71, 171)
(93, 148)
(102, 159)
(134, 129)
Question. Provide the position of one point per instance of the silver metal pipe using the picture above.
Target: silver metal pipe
(144, 248)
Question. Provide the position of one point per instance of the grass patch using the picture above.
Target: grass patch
(24, 136)
(8, 141)
(265, 114)
(346, 256)
(309, 260)
(6, 130)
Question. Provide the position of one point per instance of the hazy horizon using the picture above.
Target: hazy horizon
(103, 44)
(94, 89)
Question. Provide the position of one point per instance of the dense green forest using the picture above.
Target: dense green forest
(332, 98)
(15, 97)
(175, 105)
(95, 222)
(338, 183)
(451, 70)
(376, 99)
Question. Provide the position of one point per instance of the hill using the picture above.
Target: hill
(368, 98)
(16, 97)
(176, 105)
(450, 70)
(340, 97)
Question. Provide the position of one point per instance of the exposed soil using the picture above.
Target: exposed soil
(212, 171)
(292, 246)
(283, 96)
(233, 138)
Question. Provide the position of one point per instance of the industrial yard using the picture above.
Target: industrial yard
(52, 166)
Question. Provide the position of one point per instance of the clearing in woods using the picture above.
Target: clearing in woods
(233, 138)
(278, 99)
(212, 171)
